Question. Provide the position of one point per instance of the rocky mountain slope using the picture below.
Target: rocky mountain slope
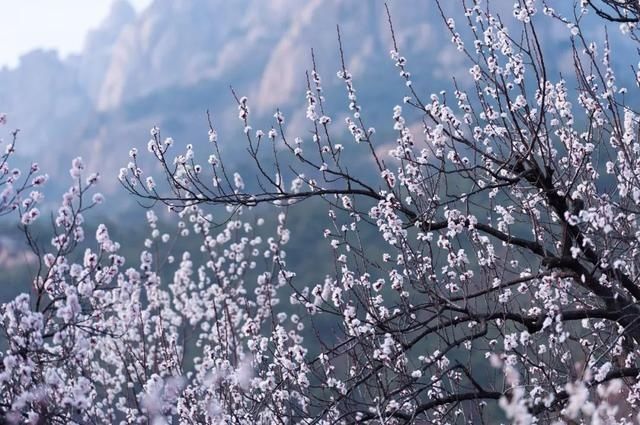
(167, 65)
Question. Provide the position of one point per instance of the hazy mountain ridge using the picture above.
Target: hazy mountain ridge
(134, 68)
(176, 59)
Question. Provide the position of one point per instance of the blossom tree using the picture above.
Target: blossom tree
(16, 186)
(625, 11)
(507, 289)
(511, 229)
(98, 342)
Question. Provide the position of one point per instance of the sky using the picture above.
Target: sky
(54, 24)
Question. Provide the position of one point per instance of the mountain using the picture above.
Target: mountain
(99, 49)
(45, 97)
(176, 59)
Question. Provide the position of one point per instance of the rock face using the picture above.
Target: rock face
(177, 58)
(172, 43)
(99, 47)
